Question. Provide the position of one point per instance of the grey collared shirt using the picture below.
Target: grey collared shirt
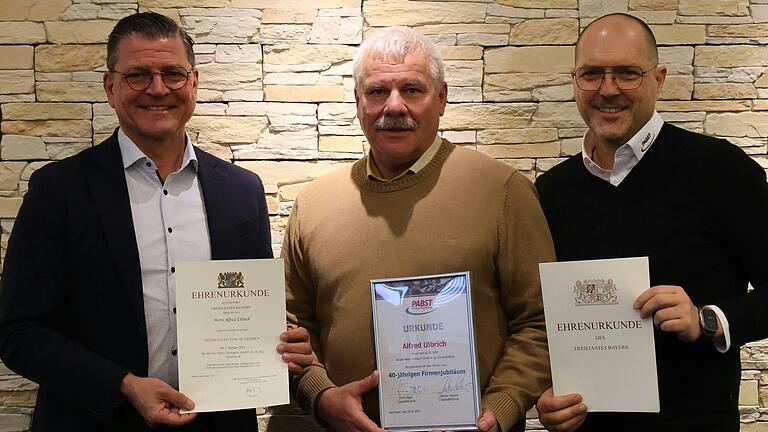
(170, 224)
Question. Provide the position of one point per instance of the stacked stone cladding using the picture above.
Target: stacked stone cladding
(276, 96)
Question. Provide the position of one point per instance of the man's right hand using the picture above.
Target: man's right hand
(561, 413)
(342, 407)
(157, 402)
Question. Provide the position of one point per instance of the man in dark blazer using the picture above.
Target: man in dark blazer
(86, 302)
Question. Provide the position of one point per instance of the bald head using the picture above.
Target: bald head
(623, 26)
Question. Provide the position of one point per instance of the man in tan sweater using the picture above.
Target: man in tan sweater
(416, 205)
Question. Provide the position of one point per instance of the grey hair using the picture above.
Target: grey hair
(398, 42)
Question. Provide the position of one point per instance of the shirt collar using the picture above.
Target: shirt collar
(638, 144)
(421, 162)
(131, 153)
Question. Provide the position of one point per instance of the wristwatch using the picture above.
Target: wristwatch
(708, 321)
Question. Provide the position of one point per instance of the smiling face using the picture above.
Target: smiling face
(614, 115)
(399, 105)
(156, 115)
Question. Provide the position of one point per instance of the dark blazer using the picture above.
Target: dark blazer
(71, 306)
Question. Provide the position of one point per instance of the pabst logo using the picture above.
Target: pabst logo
(420, 306)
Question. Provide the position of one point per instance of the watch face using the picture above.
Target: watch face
(709, 321)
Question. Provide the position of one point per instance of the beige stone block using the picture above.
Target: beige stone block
(555, 31)
(241, 129)
(289, 172)
(70, 92)
(502, 151)
(59, 128)
(59, 151)
(69, 58)
(182, 3)
(9, 208)
(285, 16)
(23, 32)
(300, 54)
(316, 4)
(223, 25)
(472, 116)
(482, 39)
(571, 146)
(516, 136)
(653, 5)
(10, 175)
(656, 17)
(289, 192)
(724, 91)
(745, 124)
(342, 144)
(464, 73)
(529, 59)
(557, 114)
(78, 32)
(714, 106)
(171, 13)
(760, 105)
(762, 82)
(340, 30)
(16, 57)
(596, 8)
(230, 76)
(748, 393)
(381, 13)
(250, 53)
(463, 28)
(543, 4)
(754, 427)
(33, 10)
(679, 34)
(677, 87)
(19, 147)
(46, 111)
(738, 30)
(17, 81)
(287, 93)
(731, 56)
(713, 7)
(524, 81)
(461, 52)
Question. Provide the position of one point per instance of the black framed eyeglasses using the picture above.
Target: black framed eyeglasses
(174, 78)
(624, 77)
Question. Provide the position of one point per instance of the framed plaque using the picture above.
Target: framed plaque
(425, 353)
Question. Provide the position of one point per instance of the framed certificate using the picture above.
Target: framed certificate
(425, 353)
(599, 346)
(229, 317)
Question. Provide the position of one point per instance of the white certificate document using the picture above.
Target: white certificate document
(229, 316)
(425, 353)
(598, 344)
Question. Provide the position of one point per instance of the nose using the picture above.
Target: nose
(395, 104)
(608, 87)
(157, 87)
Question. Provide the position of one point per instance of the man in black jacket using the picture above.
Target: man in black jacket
(87, 303)
(642, 187)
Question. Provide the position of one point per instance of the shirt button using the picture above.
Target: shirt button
(173, 270)
(170, 230)
(149, 164)
(174, 352)
(174, 310)
(165, 192)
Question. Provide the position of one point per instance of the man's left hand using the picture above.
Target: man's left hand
(296, 349)
(486, 423)
(672, 310)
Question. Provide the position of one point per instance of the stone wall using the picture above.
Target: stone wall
(276, 96)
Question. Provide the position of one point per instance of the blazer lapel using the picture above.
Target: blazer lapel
(217, 204)
(106, 180)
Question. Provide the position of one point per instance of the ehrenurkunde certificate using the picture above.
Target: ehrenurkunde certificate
(599, 346)
(425, 352)
(229, 317)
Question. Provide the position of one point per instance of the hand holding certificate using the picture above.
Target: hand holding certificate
(425, 353)
(230, 316)
(595, 335)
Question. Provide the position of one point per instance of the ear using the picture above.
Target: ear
(660, 74)
(109, 88)
(443, 96)
(195, 80)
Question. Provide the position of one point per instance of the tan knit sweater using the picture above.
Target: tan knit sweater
(463, 211)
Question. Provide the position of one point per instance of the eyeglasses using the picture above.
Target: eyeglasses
(174, 78)
(624, 77)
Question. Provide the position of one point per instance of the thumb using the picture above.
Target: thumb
(486, 420)
(178, 399)
(366, 384)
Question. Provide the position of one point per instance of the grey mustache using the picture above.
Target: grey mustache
(387, 122)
